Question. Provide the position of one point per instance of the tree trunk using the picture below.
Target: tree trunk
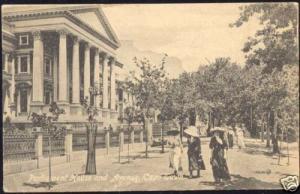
(275, 135)
(91, 155)
(268, 130)
(251, 124)
(162, 138)
(262, 130)
(50, 179)
(144, 128)
(129, 135)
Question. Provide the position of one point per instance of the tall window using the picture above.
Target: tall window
(23, 100)
(48, 65)
(23, 40)
(24, 64)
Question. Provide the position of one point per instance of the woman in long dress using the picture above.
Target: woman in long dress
(175, 156)
(218, 157)
(240, 137)
(194, 152)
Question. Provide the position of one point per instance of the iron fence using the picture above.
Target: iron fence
(114, 139)
(18, 147)
(79, 141)
(126, 137)
(57, 146)
(100, 140)
(137, 136)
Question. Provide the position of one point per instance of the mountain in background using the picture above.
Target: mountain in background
(128, 51)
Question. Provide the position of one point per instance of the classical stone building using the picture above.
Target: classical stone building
(57, 54)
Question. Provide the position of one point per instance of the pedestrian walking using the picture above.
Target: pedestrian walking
(195, 159)
(218, 161)
(240, 132)
(176, 151)
(230, 138)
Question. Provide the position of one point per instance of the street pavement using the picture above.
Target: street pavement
(251, 168)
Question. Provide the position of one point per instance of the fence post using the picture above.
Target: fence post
(141, 136)
(107, 140)
(132, 136)
(68, 143)
(121, 139)
(38, 145)
(149, 131)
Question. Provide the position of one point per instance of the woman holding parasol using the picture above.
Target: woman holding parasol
(218, 155)
(194, 151)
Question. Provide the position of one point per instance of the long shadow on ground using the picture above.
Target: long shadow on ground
(242, 183)
(40, 184)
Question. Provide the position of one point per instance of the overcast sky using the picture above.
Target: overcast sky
(190, 32)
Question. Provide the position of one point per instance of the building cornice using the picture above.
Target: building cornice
(59, 13)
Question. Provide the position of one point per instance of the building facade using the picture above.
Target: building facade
(58, 55)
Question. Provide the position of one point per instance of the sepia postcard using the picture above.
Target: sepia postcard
(150, 97)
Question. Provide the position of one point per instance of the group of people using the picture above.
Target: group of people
(235, 136)
(220, 141)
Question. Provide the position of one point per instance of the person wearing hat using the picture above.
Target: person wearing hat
(218, 155)
(194, 151)
(176, 151)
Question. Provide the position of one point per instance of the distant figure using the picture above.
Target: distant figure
(240, 136)
(176, 154)
(218, 155)
(230, 138)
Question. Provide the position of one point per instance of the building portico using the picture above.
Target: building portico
(60, 60)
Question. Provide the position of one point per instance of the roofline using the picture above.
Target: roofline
(28, 15)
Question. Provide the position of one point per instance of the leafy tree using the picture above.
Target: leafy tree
(145, 88)
(166, 107)
(47, 123)
(274, 47)
(182, 90)
(129, 117)
(276, 44)
(91, 127)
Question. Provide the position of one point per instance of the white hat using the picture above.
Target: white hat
(192, 131)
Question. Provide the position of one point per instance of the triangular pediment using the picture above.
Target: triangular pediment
(95, 18)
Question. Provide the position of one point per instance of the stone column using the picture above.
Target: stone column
(69, 144)
(38, 72)
(107, 143)
(75, 73)
(87, 77)
(132, 136)
(112, 85)
(12, 88)
(121, 140)
(105, 82)
(55, 78)
(96, 76)
(38, 145)
(63, 68)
